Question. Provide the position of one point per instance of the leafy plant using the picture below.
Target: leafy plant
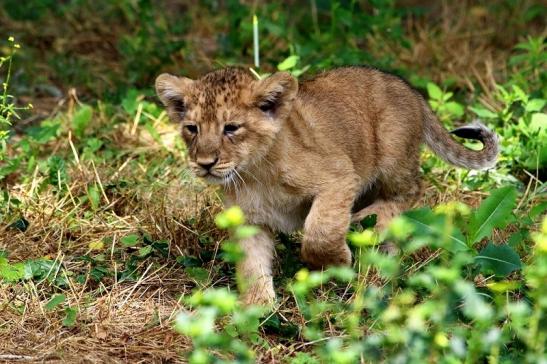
(8, 109)
(442, 104)
(521, 120)
(218, 305)
(531, 58)
(434, 311)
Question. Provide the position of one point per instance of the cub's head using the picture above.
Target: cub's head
(229, 119)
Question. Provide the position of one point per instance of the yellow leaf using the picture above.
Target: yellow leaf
(441, 339)
(503, 286)
(302, 275)
(96, 245)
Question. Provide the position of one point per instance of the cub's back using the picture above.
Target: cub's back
(361, 110)
(360, 86)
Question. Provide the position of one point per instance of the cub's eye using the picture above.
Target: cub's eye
(267, 106)
(192, 128)
(230, 128)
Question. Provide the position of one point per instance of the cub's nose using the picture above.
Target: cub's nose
(207, 164)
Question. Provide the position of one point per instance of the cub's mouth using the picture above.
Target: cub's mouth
(224, 173)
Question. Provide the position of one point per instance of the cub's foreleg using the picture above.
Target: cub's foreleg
(327, 223)
(254, 271)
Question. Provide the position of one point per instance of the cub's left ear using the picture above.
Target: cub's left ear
(274, 95)
(171, 90)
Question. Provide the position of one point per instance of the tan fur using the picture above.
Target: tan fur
(303, 164)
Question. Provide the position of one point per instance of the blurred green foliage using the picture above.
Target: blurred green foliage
(414, 313)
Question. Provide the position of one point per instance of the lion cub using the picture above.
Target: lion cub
(298, 155)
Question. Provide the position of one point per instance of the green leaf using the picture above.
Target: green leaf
(541, 159)
(199, 274)
(40, 269)
(304, 358)
(55, 301)
(188, 261)
(47, 131)
(57, 171)
(538, 210)
(517, 59)
(70, 316)
(246, 231)
(130, 101)
(387, 265)
(431, 225)
(367, 237)
(275, 324)
(447, 96)
(535, 105)
(288, 63)
(519, 93)
(298, 72)
(494, 212)
(232, 252)
(130, 240)
(454, 108)
(483, 113)
(499, 259)
(145, 251)
(81, 119)
(342, 274)
(94, 196)
(517, 237)
(11, 272)
(161, 247)
(538, 123)
(434, 91)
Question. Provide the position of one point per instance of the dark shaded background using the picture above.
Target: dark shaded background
(102, 48)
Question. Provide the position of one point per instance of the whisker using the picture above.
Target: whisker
(239, 176)
(236, 183)
(254, 177)
(228, 181)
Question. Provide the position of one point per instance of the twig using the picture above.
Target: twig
(16, 357)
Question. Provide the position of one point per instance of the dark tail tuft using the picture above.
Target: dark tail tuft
(472, 131)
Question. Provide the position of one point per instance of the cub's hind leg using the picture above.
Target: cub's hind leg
(399, 128)
(397, 193)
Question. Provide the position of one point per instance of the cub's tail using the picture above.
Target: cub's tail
(440, 141)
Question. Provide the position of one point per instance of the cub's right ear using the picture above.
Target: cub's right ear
(171, 90)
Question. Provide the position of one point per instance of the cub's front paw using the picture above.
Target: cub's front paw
(259, 293)
(321, 255)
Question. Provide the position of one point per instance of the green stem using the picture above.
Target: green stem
(5, 95)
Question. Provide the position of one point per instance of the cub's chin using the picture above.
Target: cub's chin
(217, 179)
(214, 180)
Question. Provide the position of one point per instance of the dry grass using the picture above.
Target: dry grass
(118, 321)
(131, 321)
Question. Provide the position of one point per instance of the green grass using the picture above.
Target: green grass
(109, 250)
